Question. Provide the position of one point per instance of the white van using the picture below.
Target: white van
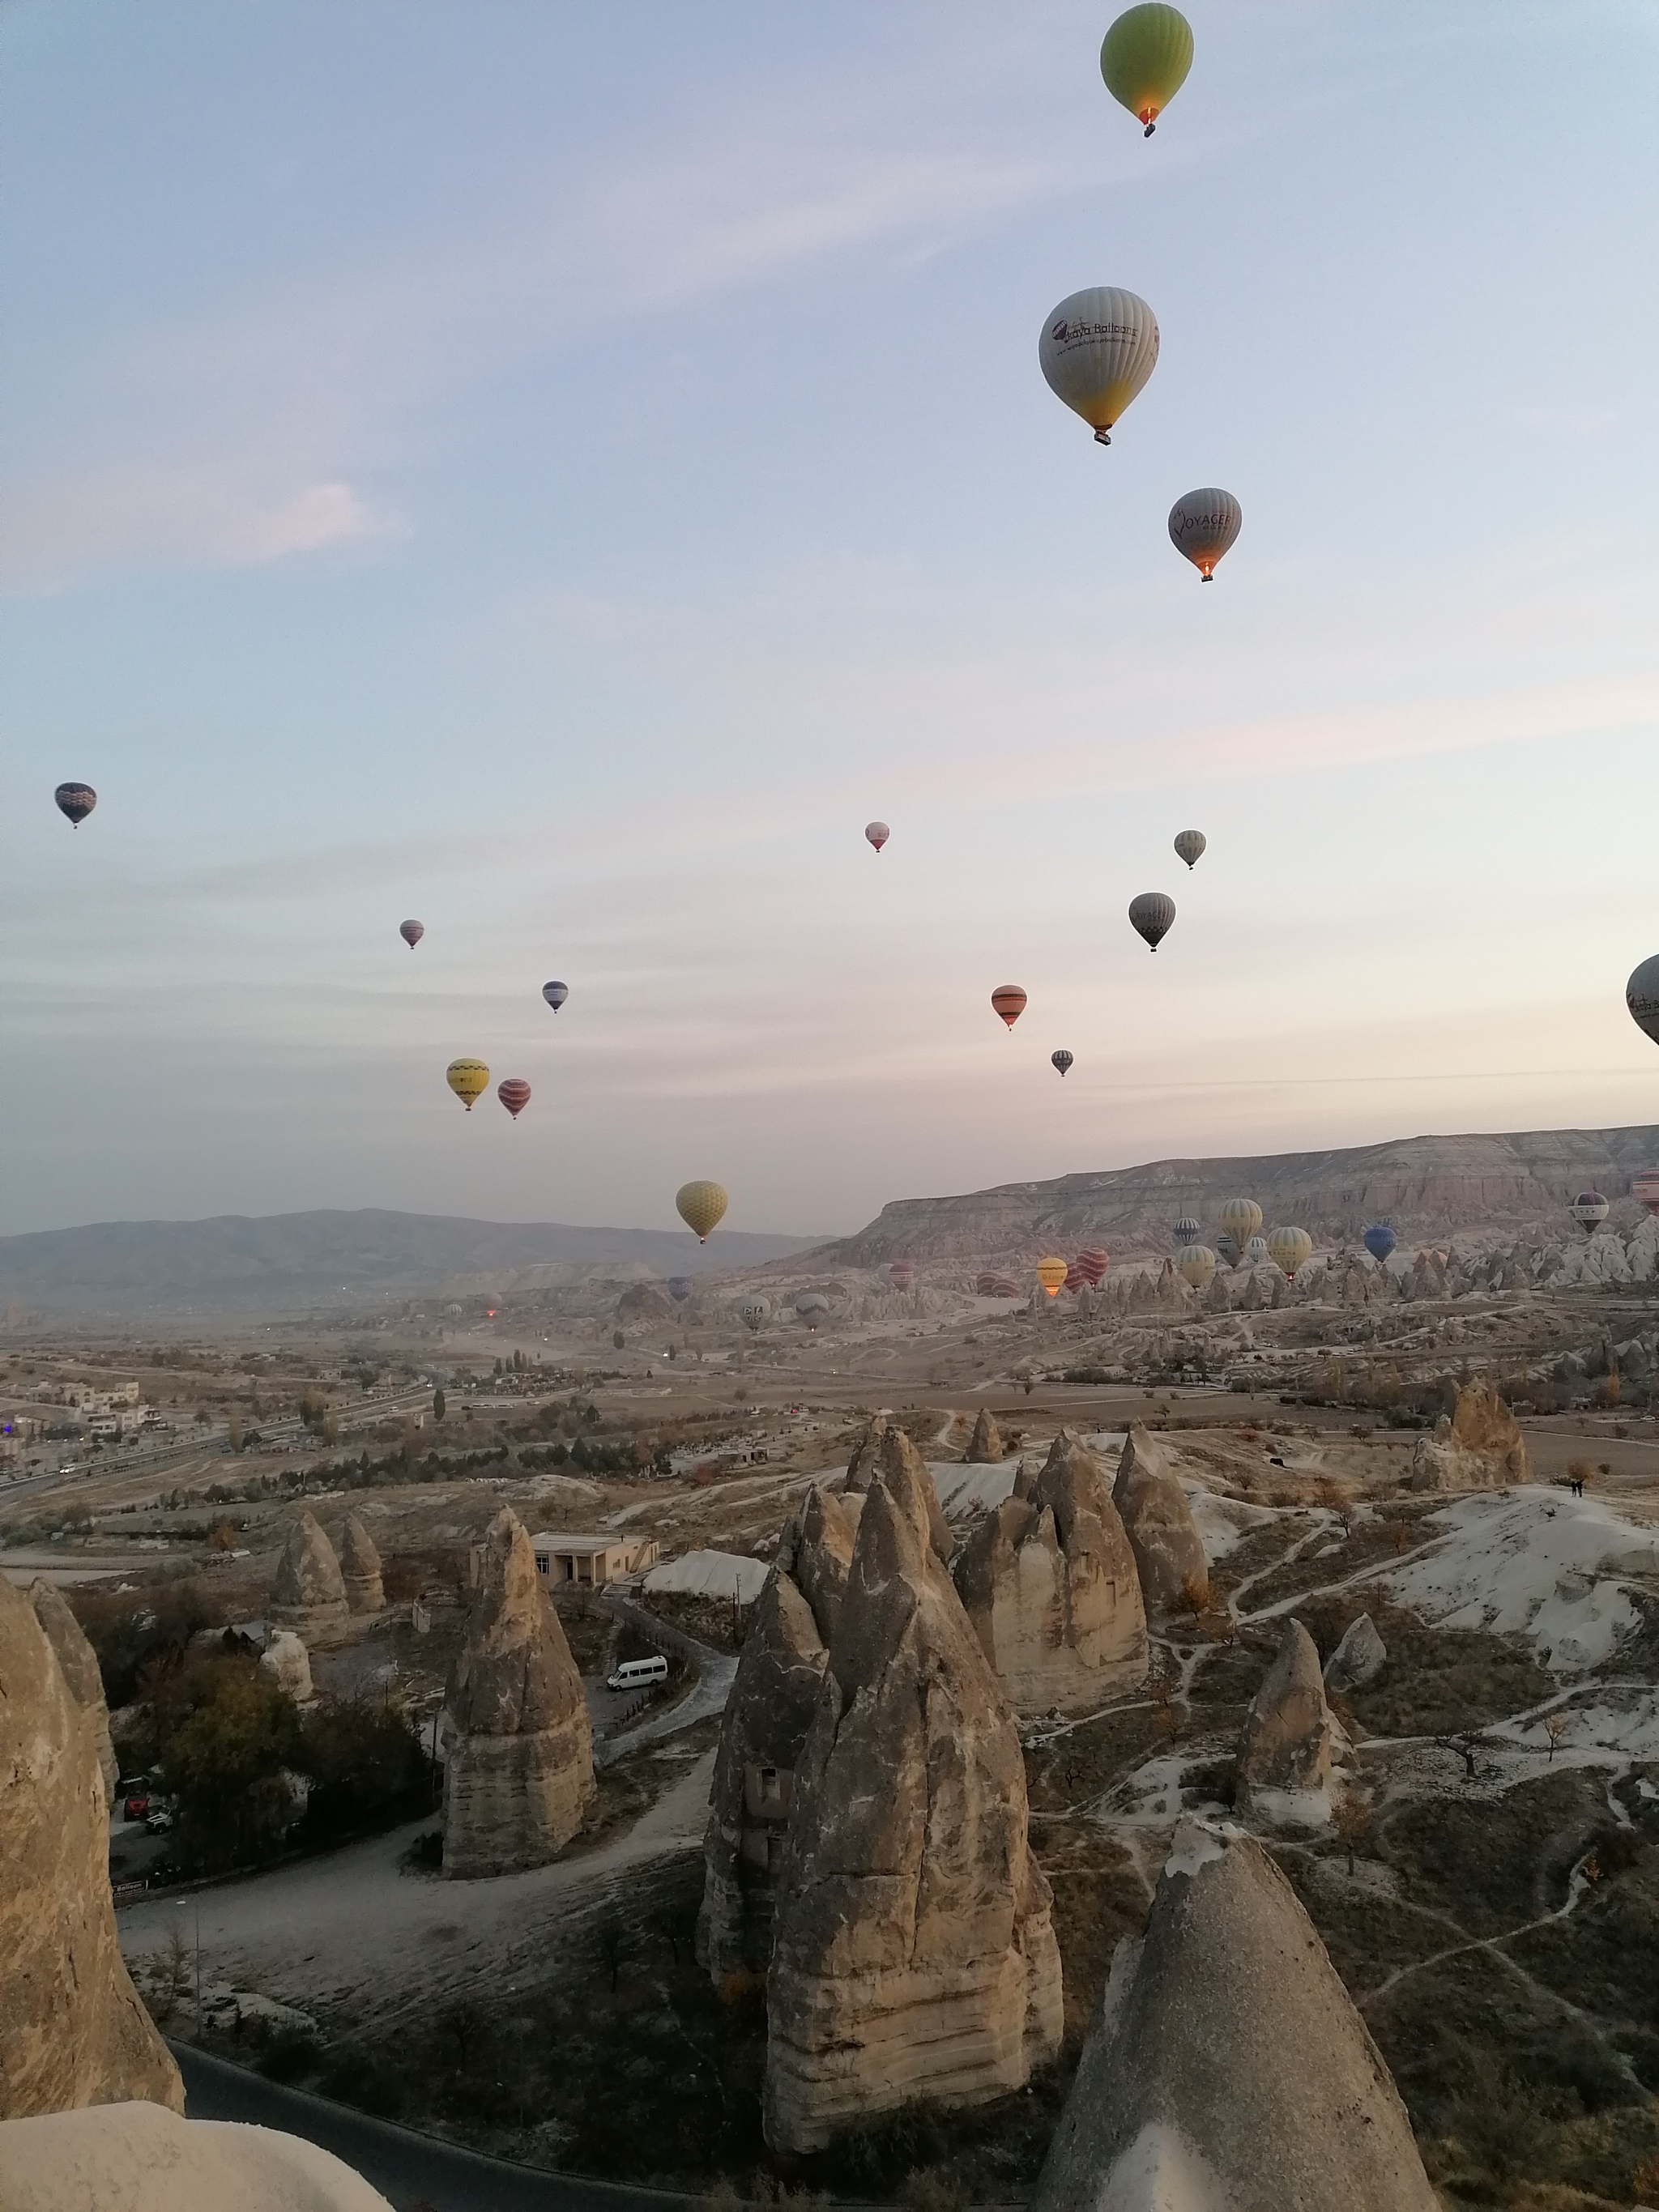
(638, 1674)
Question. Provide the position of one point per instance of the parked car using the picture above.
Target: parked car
(638, 1674)
(135, 1797)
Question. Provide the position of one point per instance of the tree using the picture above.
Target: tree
(237, 1431)
(226, 1766)
(612, 1943)
(439, 1407)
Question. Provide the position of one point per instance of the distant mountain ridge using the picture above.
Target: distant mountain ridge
(1431, 1188)
(300, 1262)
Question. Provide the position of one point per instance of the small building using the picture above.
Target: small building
(593, 1560)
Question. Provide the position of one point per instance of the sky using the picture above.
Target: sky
(557, 472)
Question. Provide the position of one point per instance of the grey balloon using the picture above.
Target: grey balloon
(1190, 844)
(1642, 997)
(1151, 915)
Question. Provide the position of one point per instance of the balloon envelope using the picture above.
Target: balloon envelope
(1097, 349)
(1226, 1247)
(1644, 1189)
(1094, 1263)
(1062, 1061)
(468, 1079)
(1190, 844)
(1289, 1249)
(1051, 1274)
(1203, 524)
(1590, 1210)
(679, 1288)
(1256, 1254)
(412, 933)
(1150, 916)
(514, 1094)
(1642, 997)
(556, 994)
(878, 832)
(1145, 58)
(700, 1206)
(1196, 1267)
(1380, 1240)
(753, 1311)
(1241, 1218)
(76, 800)
(1187, 1230)
(1008, 1001)
(901, 1274)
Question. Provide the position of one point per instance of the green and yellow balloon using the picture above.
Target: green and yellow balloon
(1145, 58)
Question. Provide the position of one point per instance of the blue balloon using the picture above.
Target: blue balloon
(1380, 1240)
(556, 994)
(679, 1288)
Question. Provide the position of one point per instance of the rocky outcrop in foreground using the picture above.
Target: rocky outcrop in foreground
(763, 1732)
(360, 1569)
(72, 2031)
(137, 2157)
(1049, 1582)
(913, 1953)
(1479, 1448)
(1288, 1743)
(309, 1593)
(80, 1664)
(1226, 2068)
(519, 1774)
(1168, 1549)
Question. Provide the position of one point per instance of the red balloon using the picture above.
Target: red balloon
(1092, 1264)
(1008, 1001)
(514, 1094)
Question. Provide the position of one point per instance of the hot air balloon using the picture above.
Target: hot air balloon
(679, 1288)
(700, 1206)
(1145, 58)
(1642, 997)
(1094, 1263)
(1187, 1230)
(1076, 1280)
(1097, 349)
(1289, 1249)
(1226, 1247)
(1196, 1267)
(901, 1274)
(878, 832)
(514, 1094)
(811, 1307)
(753, 1311)
(468, 1079)
(1203, 524)
(1190, 844)
(1590, 1210)
(1061, 1059)
(76, 800)
(1241, 1218)
(1150, 916)
(1008, 1001)
(1256, 1254)
(1051, 1274)
(1379, 1240)
(1644, 1189)
(412, 933)
(556, 994)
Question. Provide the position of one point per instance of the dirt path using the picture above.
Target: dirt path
(353, 1930)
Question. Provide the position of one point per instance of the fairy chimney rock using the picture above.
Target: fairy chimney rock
(360, 1565)
(520, 1775)
(286, 1657)
(80, 1665)
(1484, 1450)
(913, 1953)
(1226, 2065)
(1168, 1549)
(1286, 1752)
(1358, 1660)
(763, 1732)
(985, 1445)
(861, 1465)
(1050, 1584)
(309, 1595)
(74, 2032)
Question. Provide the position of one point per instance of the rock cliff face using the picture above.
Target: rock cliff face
(913, 1953)
(519, 1774)
(1168, 1549)
(1288, 1742)
(1050, 1584)
(985, 1445)
(309, 1594)
(1481, 1448)
(72, 2031)
(360, 1569)
(80, 1665)
(1226, 2068)
(138, 2158)
(763, 1732)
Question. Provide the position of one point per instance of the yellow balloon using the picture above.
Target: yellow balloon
(1196, 1267)
(700, 1205)
(1289, 1249)
(1051, 1274)
(468, 1079)
(1241, 1218)
(1145, 58)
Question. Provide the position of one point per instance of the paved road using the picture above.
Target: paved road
(416, 2172)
